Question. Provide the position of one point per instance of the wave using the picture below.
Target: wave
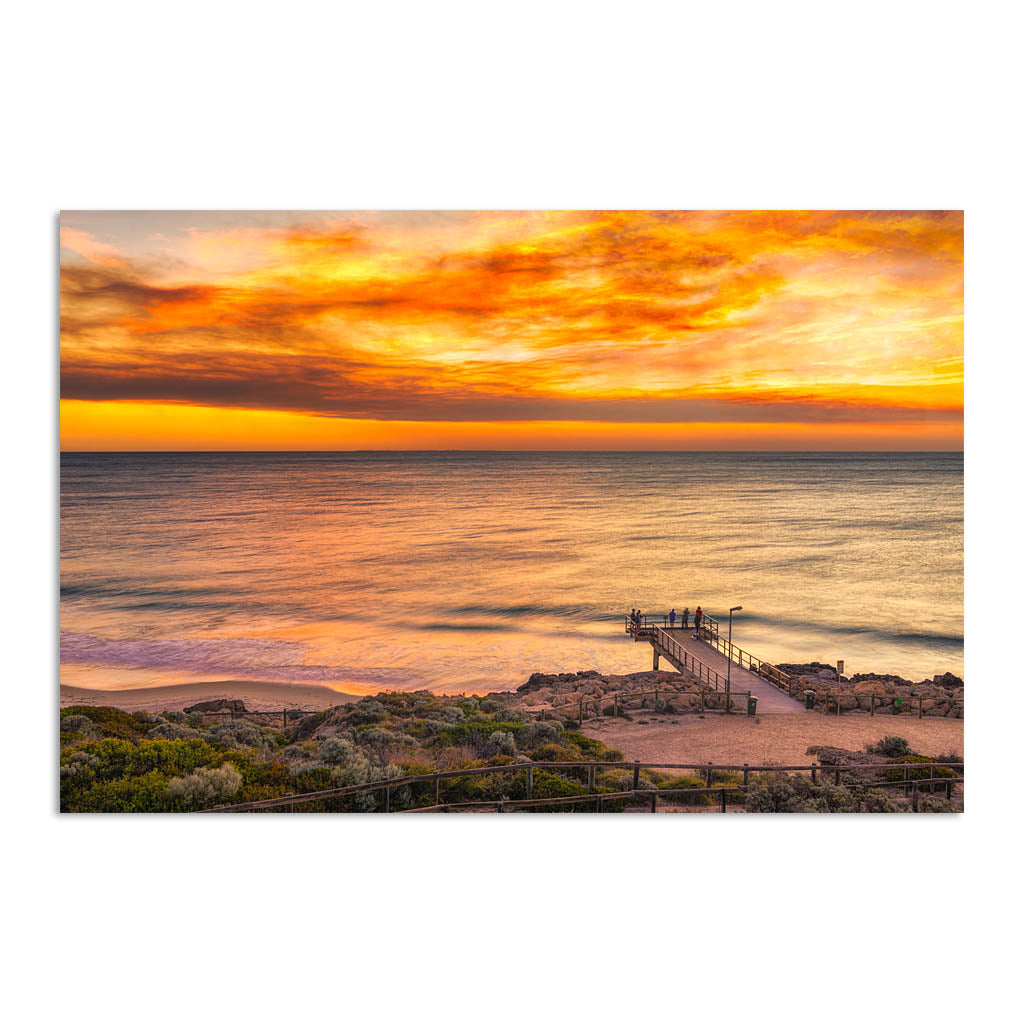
(239, 657)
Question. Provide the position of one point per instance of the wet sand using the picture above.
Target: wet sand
(258, 696)
(779, 739)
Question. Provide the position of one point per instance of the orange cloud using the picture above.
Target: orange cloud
(660, 317)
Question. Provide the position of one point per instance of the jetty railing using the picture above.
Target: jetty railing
(758, 666)
(911, 786)
(645, 628)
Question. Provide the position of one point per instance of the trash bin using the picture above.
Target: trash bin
(751, 705)
(809, 699)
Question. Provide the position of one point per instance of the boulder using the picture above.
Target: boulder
(237, 706)
(869, 687)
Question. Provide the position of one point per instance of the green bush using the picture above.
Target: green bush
(916, 774)
(890, 746)
(110, 722)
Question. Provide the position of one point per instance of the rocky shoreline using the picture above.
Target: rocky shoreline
(680, 693)
(941, 696)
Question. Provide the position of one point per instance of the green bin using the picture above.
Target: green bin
(809, 699)
(751, 705)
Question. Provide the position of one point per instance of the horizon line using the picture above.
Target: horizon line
(511, 451)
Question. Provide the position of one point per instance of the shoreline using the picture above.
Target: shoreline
(258, 696)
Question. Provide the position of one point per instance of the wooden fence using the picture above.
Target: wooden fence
(385, 786)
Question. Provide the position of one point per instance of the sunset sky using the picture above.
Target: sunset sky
(756, 330)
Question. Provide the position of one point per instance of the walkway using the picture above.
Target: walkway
(770, 699)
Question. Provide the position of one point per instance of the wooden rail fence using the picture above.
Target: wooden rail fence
(910, 786)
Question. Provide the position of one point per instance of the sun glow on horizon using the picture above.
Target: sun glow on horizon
(511, 329)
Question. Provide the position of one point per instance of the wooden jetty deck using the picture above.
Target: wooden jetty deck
(708, 657)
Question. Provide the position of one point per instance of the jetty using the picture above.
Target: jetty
(703, 652)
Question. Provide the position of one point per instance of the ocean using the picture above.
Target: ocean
(468, 571)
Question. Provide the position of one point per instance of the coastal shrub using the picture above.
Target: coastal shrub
(240, 734)
(554, 752)
(917, 774)
(490, 707)
(875, 801)
(533, 734)
(111, 723)
(78, 726)
(366, 712)
(936, 805)
(890, 746)
(504, 741)
(776, 796)
(173, 731)
(135, 794)
(173, 716)
(593, 750)
(452, 714)
(204, 787)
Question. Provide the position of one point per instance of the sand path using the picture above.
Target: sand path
(738, 739)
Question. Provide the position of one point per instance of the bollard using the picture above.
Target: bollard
(914, 798)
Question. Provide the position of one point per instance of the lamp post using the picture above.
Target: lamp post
(728, 660)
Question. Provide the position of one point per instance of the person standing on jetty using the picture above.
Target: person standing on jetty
(672, 619)
(697, 616)
(686, 617)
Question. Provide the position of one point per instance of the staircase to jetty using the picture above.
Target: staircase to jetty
(708, 657)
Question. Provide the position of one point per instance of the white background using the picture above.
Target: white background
(532, 105)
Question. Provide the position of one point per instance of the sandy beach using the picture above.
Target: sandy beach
(258, 696)
(769, 738)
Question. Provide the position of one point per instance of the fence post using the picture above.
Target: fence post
(920, 707)
(600, 804)
(616, 699)
(814, 774)
(914, 801)
(906, 778)
(437, 788)
(387, 799)
(702, 701)
(529, 781)
(654, 801)
(707, 775)
(636, 774)
(837, 776)
(591, 778)
(723, 800)
(746, 773)
(581, 710)
(289, 807)
(284, 719)
(872, 703)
